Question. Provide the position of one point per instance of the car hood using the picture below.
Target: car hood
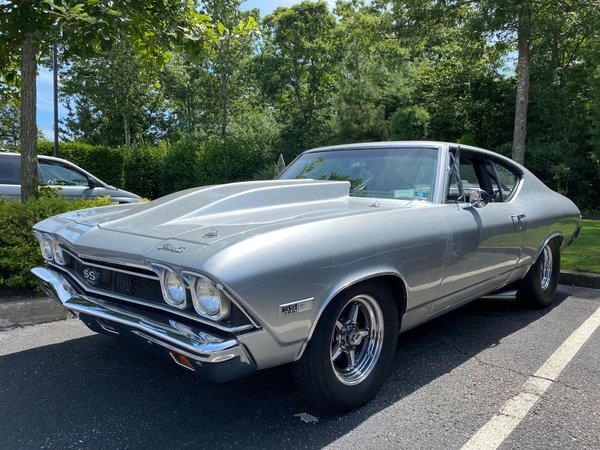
(210, 214)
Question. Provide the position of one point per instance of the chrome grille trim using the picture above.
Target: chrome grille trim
(114, 269)
(99, 259)
(136, 300)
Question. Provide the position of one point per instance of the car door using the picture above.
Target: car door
(485, 243)
(71, 182)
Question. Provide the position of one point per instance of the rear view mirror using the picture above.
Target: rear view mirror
(477, 199)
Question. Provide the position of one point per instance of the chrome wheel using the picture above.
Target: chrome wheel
(546, 268)
(357, 339)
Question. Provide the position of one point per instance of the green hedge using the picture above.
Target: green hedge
(19, 250)
(105, 163)
(142, 169)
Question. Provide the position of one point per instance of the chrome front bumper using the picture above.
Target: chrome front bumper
(212, 357)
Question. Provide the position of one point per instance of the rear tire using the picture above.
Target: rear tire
(538, 287)
(349, 356)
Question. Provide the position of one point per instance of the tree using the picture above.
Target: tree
(113, 96)
(235, 36)
(522, 100)
(299, 68)
(84, 28)
(186, 87)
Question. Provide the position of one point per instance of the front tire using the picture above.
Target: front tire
(538, 287)
(351, 351)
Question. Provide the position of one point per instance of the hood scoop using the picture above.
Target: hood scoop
(285, 193)
(227, 204)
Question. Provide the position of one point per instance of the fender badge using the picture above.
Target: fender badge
(213, 233)
(295, 307)
(171, 248)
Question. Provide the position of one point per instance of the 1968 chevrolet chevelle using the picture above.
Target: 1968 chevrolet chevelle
(321, 268)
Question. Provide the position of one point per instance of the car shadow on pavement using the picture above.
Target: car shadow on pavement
(95, 392)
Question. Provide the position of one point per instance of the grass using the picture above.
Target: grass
(584, 254)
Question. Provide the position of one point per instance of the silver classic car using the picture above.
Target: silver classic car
(322, 268)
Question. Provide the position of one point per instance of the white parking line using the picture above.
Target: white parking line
(493, 433)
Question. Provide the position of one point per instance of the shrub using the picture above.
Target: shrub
(142, 168)
(105, 163)
(245, 151)
(179, 167)
(230, 159)
(19, 250)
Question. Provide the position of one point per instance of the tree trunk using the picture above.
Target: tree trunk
(127, 130)
(522, 101)
(28, 119)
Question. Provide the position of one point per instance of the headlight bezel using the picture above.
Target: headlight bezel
(167, 296)
(194, 279)
(57, 252)
(43, 240)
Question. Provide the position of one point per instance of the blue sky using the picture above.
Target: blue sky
(44, 80)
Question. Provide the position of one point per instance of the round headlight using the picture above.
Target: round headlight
(45, 246)
(58, 253)
(173, 289)
(206, 299)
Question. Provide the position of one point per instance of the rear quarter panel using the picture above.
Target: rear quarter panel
(548, 214)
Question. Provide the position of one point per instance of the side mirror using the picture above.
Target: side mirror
(94, 183)
(477, 199)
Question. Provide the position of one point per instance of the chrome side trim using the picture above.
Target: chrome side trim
(165, 308)
(202, 346)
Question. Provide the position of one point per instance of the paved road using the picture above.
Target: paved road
(62, 386)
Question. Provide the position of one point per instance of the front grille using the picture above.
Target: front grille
(135, 283)
(118, 282)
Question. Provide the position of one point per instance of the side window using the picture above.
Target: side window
(483, 174)
(468, 178)
(54, 173)
(508, 180)
(10, 170)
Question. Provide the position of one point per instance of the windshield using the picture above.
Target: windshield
(402, 173)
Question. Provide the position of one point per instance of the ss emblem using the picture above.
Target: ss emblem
(91, 275)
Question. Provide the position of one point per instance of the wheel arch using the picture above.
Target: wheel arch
(393, 281)
(556, 235)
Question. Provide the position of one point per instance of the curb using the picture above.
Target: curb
(581, 279)
(33, 311)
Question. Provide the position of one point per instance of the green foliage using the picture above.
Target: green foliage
(230, 159)
(142, 168)
(584, 254)
(409, 124)
(19, 250)
(9, 121)
(198, 160)
(179, 167)
(105, 163)
(298, 69)
(555, 163)
(112, 99)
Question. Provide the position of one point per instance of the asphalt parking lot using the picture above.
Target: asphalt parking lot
(62, 386)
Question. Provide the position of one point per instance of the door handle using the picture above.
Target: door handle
(519, 217)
